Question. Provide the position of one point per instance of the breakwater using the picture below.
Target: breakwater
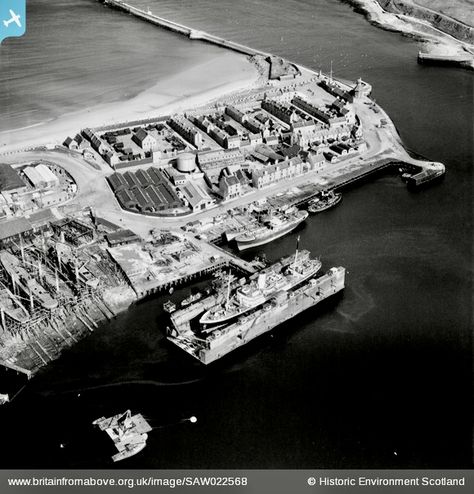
(181, 29)
(444, 59)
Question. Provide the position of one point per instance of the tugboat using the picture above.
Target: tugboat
(129, 433)
(325, 201)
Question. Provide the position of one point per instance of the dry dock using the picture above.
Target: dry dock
(283, 306)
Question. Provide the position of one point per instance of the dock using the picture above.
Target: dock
(440, 59)
(208, 348)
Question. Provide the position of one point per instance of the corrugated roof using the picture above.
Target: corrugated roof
(46, 173)
(194, 194)
(122, 236)
(33, 175)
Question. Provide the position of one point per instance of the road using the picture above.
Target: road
(94, 191)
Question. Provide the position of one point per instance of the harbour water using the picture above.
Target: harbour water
(380, 377)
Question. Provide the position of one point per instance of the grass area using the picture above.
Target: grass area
(461, 10)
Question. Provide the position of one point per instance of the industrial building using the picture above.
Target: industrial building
(196, 197)
(147, 191)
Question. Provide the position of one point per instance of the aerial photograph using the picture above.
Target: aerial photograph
(236, 234)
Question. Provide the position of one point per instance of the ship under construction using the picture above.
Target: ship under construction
(208, 344)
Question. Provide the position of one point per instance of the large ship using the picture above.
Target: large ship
(21, 278)
(271, 226)
(129, 433)
(280, 277)
(209, 346)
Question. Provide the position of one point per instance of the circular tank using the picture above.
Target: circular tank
(186, 162)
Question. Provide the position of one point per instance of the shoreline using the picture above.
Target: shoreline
(438, 44)
(192, 87)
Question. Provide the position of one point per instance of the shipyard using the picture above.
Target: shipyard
(169, 191)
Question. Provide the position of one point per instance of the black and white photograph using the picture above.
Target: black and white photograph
(236, 236)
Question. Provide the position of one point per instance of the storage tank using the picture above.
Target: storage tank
(186, 162)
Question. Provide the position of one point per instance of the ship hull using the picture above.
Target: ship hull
(314, 208)
(12, 307)
(243, 244)
(27, 284)
(233, 317)
(134, 450)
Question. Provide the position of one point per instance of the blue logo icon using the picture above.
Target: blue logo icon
(12, 18)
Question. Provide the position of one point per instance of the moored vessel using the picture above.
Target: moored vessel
(272, 226)
(194, 297)
(129, 433)
(259, 289)
(324, 202)
(212, 344)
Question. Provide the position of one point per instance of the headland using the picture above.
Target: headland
(442, 28)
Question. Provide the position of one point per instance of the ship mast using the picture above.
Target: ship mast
(296, 253)
(228, 291)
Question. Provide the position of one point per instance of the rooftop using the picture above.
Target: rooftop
(9, 178)
(14, 227)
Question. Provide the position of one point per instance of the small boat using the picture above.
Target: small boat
(4, 398)
(191, 299)
(169, 307)
(129, 433)
(325, 201)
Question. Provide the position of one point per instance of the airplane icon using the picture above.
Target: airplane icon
(14, 18)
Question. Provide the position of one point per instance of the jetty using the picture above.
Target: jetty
(444, 59)
(147, 15)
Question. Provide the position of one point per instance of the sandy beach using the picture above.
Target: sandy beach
(192, 87)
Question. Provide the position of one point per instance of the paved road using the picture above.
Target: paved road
(93, 189)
